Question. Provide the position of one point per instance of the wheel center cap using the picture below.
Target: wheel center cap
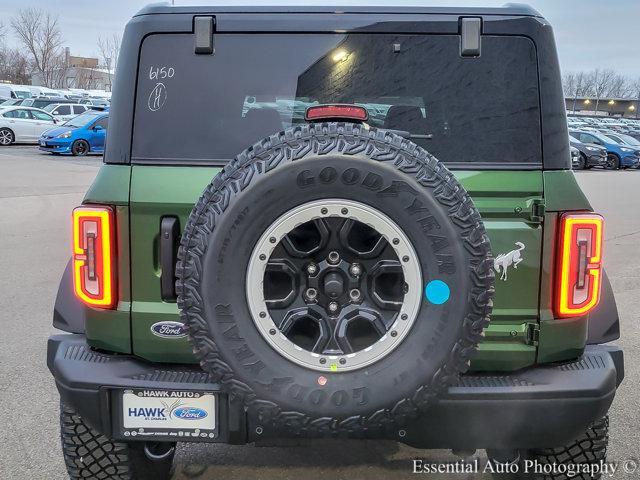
(333, 285)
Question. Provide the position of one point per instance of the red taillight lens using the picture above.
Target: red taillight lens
(343, 112)
(93, 255)
(579, 265)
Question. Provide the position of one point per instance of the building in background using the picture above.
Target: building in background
(80, 72)
(614, 107)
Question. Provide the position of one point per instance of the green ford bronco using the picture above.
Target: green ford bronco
(317, 222)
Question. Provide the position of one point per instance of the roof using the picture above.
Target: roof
(344, 6)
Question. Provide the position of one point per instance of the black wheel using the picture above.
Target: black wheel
(80, 148)
(613, 161)
(89, 454)
(334, 279)
(6, 137)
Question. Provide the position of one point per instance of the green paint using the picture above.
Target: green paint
(562, 192)
(111, 329)
(111, 185)
(506, 201)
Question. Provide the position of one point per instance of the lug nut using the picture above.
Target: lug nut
(355, 269)
(354, 294)
(333, 258)
(333, 307)
(312, 269)
(311, 294)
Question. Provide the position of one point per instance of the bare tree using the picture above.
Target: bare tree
(619, 87)
(601, 81)
(85, 78)
(13, 64)
(109, 48)
(576, 85)
(634, 89)
(38, 32)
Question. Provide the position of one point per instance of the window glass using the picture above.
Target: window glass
(63, 110)
(102, 122)
(41, 115)
(476, 110)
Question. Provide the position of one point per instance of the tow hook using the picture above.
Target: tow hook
(158, 451)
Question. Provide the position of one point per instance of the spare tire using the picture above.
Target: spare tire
(334, 278)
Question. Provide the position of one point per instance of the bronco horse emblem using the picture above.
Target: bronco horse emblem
(504, 260)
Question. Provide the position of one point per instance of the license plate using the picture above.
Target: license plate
(168, 413)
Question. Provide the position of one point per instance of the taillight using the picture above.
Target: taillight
(93, 255)
(579, 267)
(336, 112)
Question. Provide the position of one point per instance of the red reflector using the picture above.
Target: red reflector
(340, 112)
(579, 267)
(93, 255)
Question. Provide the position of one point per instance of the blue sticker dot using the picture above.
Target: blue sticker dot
(437, 292)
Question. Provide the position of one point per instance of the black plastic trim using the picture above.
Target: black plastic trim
(203, 34)
(169, 241)
(69, 312)
(541, 406)
(604, 321)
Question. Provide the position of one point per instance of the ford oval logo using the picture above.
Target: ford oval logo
(168, 329)
(189, 413)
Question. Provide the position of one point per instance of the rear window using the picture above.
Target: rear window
(208, 108)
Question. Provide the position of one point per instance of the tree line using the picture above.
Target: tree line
(600, 84)
(40, 51)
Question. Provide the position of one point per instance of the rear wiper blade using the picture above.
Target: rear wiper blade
(406, 134)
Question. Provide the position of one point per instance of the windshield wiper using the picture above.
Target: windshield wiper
(409, 135)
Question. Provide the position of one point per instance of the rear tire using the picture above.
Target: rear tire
(582, 163)
(588, 449)
(80, 148)
(90, 454)
(6, 137)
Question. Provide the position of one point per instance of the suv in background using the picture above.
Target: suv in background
(313, 245)
(618, 156)
(65, 111)
(41, 102)
(591, 155)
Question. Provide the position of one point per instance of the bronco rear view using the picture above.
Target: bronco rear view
(360, 223)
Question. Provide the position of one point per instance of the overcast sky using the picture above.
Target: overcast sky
(589, 33)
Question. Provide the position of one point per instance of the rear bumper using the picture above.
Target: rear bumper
(535, 407)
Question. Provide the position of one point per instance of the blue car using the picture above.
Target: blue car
(79, 136)
(618, 156)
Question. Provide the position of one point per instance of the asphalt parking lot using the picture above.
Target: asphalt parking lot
(37, 193)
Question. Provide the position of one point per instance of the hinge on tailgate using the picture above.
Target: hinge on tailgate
(533, 334)
(537, 210)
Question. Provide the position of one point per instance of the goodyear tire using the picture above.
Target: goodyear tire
(588, 449)
(352, 171)
(90, 454)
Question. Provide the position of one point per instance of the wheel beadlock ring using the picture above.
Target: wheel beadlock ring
(369, 216)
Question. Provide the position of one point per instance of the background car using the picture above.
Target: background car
(65, 111)
(97, 102)
(591, 155)
(41, 102)
(12, 102)
(23, 124)
(618, 156)
(80, 135)
(624, 139)
(14, 91)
